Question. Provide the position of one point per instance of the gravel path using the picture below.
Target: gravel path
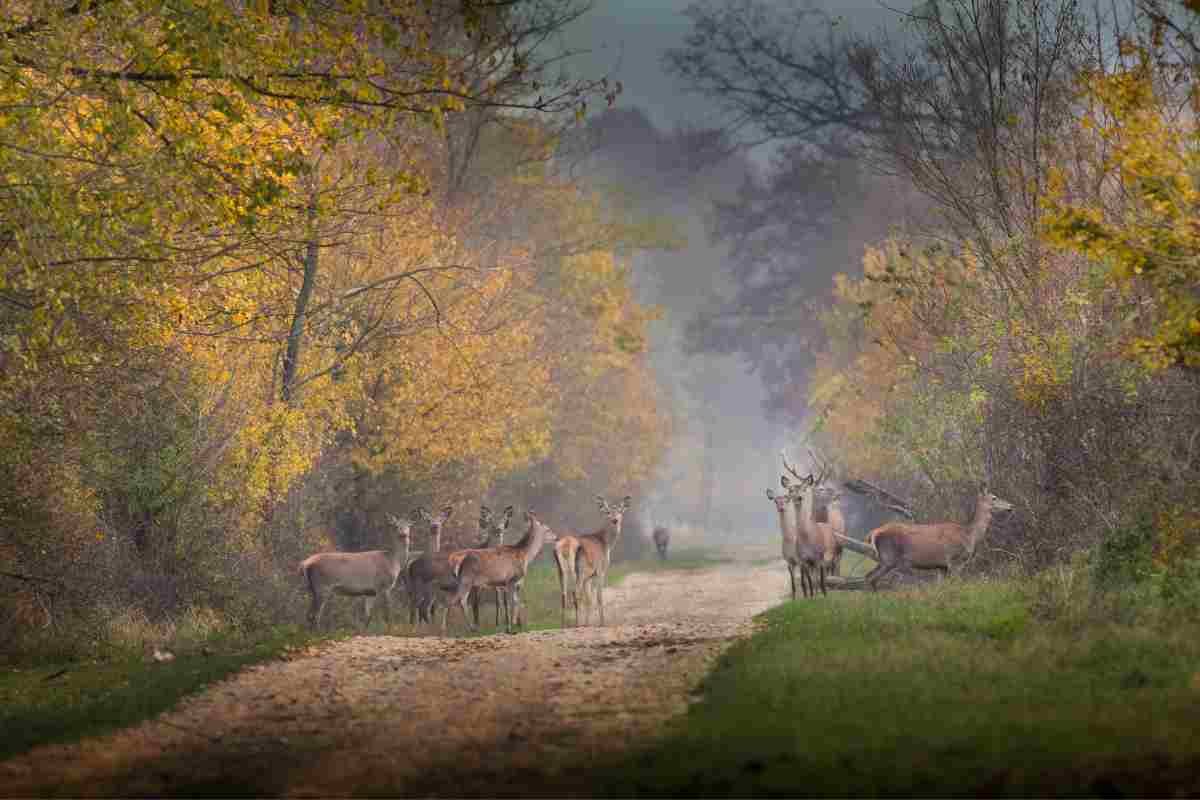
(496, 715)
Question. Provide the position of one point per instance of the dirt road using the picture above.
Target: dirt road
(497, 715)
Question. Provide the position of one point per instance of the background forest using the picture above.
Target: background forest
(1015, 185)
(270, 271)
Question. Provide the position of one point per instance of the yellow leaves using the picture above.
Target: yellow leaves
(1148, 245)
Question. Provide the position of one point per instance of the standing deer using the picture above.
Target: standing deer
(426, 571)
(594, 554)
(566, 551)
(815, 540)
(370, 574)
(493, 536)
(501, 567)
(929, 546)
(662, 538)
(830, 512)
(790, 549)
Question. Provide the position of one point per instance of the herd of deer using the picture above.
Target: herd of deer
(458, 577)
(811, 546)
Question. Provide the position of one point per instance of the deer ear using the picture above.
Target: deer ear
(626, 502)
(770, 494)
(446, 513)
(508, 512)
(422, 513)
(784, 482)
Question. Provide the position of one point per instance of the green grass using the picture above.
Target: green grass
(66, 701)
(954, 689)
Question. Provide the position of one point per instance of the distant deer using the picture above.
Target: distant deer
(594, 554)
(937, 545)
(501, 567)
(790, 549)
(371, 574)
(662, 538)
(426, 571)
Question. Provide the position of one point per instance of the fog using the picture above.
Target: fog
(725, 444)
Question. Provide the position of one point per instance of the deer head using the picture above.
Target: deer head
(614, 513)
(780, 500)
(992, 502)
(403, 526)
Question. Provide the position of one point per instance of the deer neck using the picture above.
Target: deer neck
(785, 527)
(979, 525)
(437, 540)
(804, 512)
(531, 543)
(612, 532)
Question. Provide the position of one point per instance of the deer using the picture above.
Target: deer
(594, 554)
(929, 546)
(831, 510)
(790, 548)
(493, 536)
(370, 575)
(662, 538)
(816, 543)
(566, 551)
(431, 567)
(502, 567)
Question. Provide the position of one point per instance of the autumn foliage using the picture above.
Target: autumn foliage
(247, 307)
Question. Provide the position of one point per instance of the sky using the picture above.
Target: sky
(626, 39)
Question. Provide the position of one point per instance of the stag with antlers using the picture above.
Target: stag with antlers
(834, 523)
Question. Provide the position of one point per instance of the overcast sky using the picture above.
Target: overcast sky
(626, 39)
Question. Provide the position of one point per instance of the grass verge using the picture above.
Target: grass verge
(948, 690)
(66, 701)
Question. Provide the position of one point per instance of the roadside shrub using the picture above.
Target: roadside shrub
(1125, 555)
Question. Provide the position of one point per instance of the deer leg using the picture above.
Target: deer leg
(821, 570)
(474, 600)
(600, 596)
(792, 575)
(877, 574)
(315, 606)
(368, 607)
(463, 604)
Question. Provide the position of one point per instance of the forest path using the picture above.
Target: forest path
(493, 715)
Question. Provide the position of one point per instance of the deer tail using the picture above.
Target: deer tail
(467, 569)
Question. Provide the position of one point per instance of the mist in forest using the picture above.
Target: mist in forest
(665, 148)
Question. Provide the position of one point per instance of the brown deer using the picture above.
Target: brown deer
(829, 513)
(816, 543)
(501, 567)
(566, 551)
(594, 554)
(662, 538)
(790, 548)
(426, 571)
(493, 530)
(370, 575)
(930, 546)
